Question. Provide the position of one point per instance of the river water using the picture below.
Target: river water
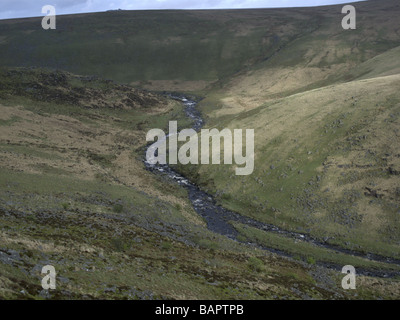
(218, 218)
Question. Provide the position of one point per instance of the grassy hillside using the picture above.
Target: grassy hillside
(74, 193)
(321, 55)
(144, 46)
(326, 163)
(187, 50)
(325, 110)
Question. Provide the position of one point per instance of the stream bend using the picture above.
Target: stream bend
(218, 218)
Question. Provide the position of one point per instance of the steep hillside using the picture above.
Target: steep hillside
(188, 50)
(74, 194)
(326, 163)
(325, 110)
(323, 54)
(387, 63)
(325, 107)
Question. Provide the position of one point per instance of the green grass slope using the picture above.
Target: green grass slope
(326, 163)
(74, 194)
(387, 63)
(322, 54)
(138, 46)
(325, 107)
(325, 111)
(166, 49)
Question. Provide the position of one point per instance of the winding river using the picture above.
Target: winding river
(218, 218)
